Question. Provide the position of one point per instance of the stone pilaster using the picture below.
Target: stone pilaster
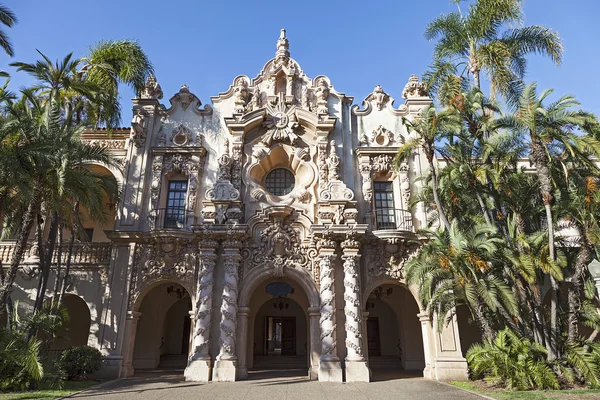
(226, 361)
(356, 365)
(330, 369)
(130, 331)
(200, 363)
(426, 334)
(242, 334)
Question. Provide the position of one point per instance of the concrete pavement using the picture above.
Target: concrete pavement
(265, 386)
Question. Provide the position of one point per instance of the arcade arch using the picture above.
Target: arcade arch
(393, 332)
(163, 329)
(75, 331)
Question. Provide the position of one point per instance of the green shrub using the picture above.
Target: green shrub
(513, 361)
(79, 362)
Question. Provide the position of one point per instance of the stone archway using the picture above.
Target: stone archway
(394, 340)
(75, 332)
(253, 302)
(160, 329)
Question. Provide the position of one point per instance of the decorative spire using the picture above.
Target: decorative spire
(283, 48)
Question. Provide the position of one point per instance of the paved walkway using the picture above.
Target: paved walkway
(263, 386)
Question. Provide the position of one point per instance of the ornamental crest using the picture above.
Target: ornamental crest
(280, 123)
(280, 246)
(386, 259)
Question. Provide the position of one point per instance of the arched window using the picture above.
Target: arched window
(280, 182)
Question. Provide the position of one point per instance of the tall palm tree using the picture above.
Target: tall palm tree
(427, 129)
(8, 19)
(90, 85)
(551, 131)
(482, 40)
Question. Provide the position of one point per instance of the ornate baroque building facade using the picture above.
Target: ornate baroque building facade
(268, 229)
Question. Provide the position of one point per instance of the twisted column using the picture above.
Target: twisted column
(356, 366)
(199, 364)
(327, 320)
(330, 369)
(226, 364)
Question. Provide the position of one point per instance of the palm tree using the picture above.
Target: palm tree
(477, 42)
(457, 267)
(7, 18)
(552, 132)
(90, 86)
(429, 127)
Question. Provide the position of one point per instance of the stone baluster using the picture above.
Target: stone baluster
(356, 365)
(199, 364)
(330, 366)
(226, 364)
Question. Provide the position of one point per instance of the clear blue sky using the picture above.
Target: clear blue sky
(358, 44)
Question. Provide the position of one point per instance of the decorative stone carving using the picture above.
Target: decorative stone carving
(157, 167)
(282, 55)
(336, 190)
(352, 308)
(236, 165)
(280, 124)
(414, 88)
(138, 128)
(321, 95)
(152, 89)
(304, 196)
(322, 163)
(229, 307)
(303, 153)
(184, 97)
(108, 144)
(333, 162)
(256, 100)
(404, 185)
(327, 320)
(280, 246)
(181, 136)
(240, 95)
(382, 136)
(204, 290)
(386, 259)
(379, 98)
(381, 163)
(162, 257)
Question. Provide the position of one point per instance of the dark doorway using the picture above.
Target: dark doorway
(373, 337)
(185, 341)
(280, 336)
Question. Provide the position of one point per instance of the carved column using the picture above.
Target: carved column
(356, 366)
(330, 369)
(242, 335)
(427, 334)
(200, 363)
(314, 314)
(226, 364)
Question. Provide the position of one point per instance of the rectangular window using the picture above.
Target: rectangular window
(175, 211)
(384, 205)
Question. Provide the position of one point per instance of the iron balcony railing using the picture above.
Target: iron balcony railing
(392, 219)
(172, 218)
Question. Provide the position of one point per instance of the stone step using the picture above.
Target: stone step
(385, 362)
(172, 361)
(280, 362)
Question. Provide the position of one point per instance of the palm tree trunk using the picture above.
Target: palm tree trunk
(59, 259)
(74, 230)
(46, 262)
(20, 246)
(483, 323)
(438, 204)
(484, 210)
(584, 258)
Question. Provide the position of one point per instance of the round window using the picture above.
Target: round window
(280, 182)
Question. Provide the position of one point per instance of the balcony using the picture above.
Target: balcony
(83, 253)
(390, 222)
(172, 218)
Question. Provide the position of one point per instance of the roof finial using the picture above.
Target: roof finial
(283, 46)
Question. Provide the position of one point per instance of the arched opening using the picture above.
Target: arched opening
(394, 338)
(163, 334)
(76, 330)
(278, 329)
(469, 332)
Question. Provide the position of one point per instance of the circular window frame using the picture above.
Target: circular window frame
(273, 192)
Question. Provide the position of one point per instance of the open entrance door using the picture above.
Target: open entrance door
(280, 336)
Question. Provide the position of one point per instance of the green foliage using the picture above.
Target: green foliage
(79, 362)
(513, 361)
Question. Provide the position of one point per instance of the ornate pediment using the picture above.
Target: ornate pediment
(414, 88)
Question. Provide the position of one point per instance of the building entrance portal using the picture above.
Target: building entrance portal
(278, 331)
